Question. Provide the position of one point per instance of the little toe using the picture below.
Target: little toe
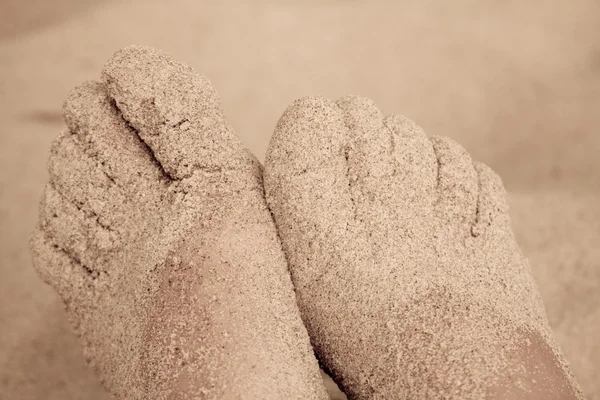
(175, 111)
(456, 185)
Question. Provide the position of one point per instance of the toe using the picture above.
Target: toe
(456, 184)
(78, 177)
(78, 233)
(56, 267)
(306, 182)
(413, 159)
(175, 111)
(105, 136)
(391, 162)
(370, 162)
(310, 136)
(492, 205)
(369, 141)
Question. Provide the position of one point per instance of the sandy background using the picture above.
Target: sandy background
(517, 83)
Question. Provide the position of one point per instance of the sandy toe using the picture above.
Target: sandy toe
(155, 232)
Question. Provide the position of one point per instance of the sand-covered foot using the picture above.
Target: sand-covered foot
(406, 270)
(155, 232)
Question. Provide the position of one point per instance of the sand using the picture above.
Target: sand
(406, 269)
(155, 232)
(517, 84)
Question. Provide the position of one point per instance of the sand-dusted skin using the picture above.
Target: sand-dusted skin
(155, 232)
(407, 274)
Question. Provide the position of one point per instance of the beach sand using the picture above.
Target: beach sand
(407, 273)
(518, 85)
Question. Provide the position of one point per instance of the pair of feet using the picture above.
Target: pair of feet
(155, 231)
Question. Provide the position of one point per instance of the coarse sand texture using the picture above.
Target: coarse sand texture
(155, 232)
(407, 274)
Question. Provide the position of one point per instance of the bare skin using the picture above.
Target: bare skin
(539, 377)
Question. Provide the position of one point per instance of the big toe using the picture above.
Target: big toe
(100, 131)
(306, 181)
(176, 112)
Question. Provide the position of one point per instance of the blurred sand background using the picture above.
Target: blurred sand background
(516, 82)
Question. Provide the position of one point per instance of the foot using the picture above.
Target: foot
(406, 270)
(155, 232)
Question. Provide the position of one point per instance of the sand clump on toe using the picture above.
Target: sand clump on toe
(406, 270)
(155, 232)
